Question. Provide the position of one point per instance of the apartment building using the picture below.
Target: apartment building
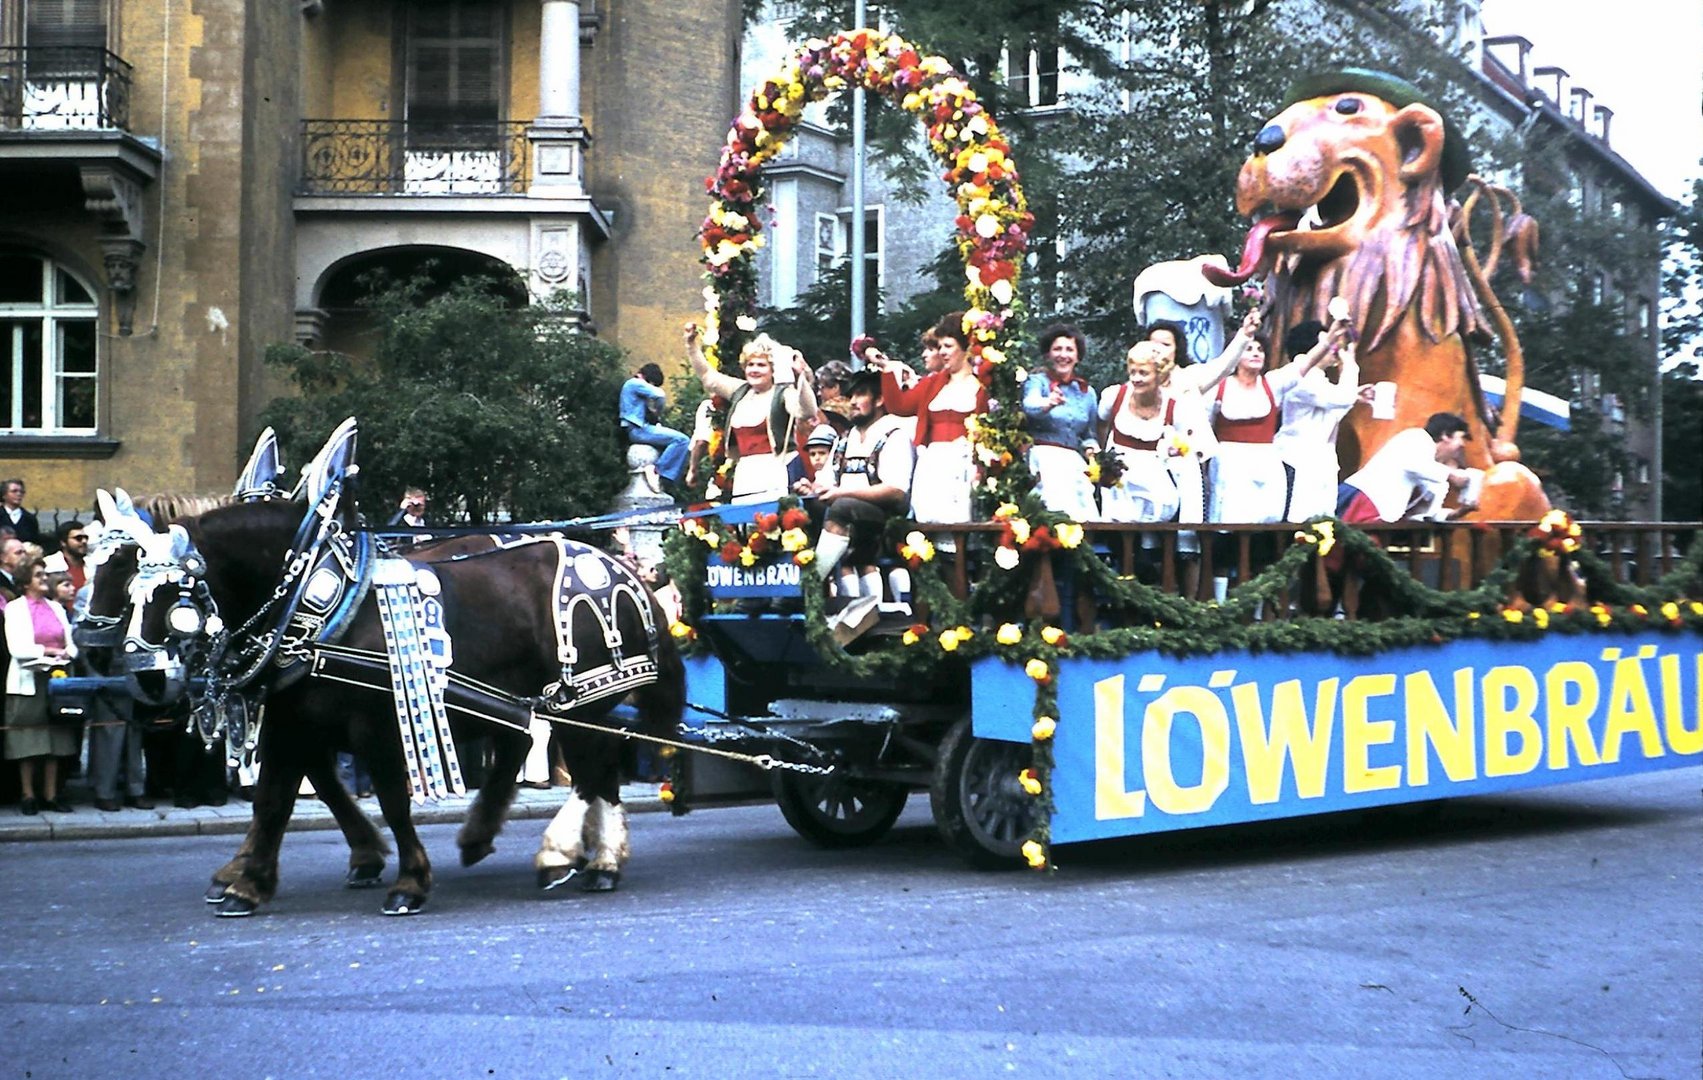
(188, 181)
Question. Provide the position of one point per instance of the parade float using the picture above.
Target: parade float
(1509, 649)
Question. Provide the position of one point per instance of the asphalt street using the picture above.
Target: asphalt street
(1338, 946)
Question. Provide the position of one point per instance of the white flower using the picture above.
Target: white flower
(978, 161)
(974, 273)
(1001, 290)
(987, 227)
(746, 323)
(1006, 558)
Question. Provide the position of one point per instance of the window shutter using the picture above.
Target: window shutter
(454, 62)
(60, 23)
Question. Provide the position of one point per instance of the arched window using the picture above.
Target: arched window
(49, 366)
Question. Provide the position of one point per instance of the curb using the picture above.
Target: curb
(233, 819)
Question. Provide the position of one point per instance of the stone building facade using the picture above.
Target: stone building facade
(189, 181)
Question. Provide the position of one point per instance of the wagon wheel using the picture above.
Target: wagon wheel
(979, 806)
(836, 811)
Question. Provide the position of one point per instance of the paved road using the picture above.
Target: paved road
(1330, 947)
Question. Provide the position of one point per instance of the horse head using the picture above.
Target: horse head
(171, 612)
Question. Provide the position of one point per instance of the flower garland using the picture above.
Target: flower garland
(993, 220)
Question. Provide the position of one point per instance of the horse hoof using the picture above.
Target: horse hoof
(601, 881)
(215, 892)
(233, 906)
(365, 877)
(401, 903)
(472, 853)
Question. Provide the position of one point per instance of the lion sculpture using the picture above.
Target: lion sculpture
(1349, 183)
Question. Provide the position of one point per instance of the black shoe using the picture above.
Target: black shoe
(106, 804)
(29, 807)
(139, 802)
(61, 805)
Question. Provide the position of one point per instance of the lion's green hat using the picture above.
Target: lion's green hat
(1457, 155)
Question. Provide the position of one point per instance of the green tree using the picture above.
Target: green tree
(495, 410)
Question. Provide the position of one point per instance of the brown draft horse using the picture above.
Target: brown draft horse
(499, 612)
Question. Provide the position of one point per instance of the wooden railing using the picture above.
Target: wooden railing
(1449, 556)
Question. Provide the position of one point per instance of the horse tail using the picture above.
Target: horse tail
(1522, 229)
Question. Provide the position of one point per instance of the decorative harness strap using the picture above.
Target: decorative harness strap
(419, 652)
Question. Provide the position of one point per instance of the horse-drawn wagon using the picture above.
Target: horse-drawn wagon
(1175, 713)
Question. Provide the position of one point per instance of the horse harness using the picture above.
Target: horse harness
(328, 573)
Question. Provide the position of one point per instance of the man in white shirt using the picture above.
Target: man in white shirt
(1411, 475)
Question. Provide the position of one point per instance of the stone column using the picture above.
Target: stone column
(558, 64)
(558, 135)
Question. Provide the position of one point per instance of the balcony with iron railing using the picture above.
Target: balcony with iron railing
(394, 157)
(63, 88)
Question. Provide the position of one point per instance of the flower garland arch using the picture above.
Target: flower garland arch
(993, 220)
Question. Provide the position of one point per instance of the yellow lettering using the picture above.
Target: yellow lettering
(1430, 725)
(1156, 726)
(1681, 739)
(1503, 719)
(1360, 733)
(1569, 717)
(1292, 736)
(1111, 799)
(1630, 710)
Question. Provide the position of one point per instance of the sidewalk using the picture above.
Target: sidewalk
(87, 823)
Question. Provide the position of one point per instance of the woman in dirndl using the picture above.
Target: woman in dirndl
(38, 635)
(943, 403)
(1159, 440)
(758, 440)
(1059, 412)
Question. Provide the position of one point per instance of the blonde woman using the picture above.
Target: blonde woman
(761, 414)
(1160, 438)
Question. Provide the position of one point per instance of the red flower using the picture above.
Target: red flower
(730, 552)
(768, 522)
(795, 518)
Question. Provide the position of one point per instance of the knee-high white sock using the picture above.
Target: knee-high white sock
(830, 549)
(871, 579)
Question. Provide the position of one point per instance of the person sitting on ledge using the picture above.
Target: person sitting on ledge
(642, 402)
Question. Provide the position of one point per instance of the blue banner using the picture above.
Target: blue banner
(1150, 743)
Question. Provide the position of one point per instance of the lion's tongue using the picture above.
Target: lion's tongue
(1253, 251)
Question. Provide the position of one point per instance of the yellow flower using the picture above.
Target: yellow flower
(1009, 634)
(1029, 781)
(747, 557)
(805, 557)
(1697, 607)
(666, 793)
(1557, 606)
(1093, 471)
(679, 629)
(1037, 669)
(1043, 728)
(1472, 615)
(1640, 609)
(910, 637)
(1069, 533)
(1541, 617)
(1327, 536)
(949, 640)
(1670, 611)
(1052, 635)
(1020, 530)
(1604, 618)
(1513, 615)
(794, 540)
(1005, 510)
(964, 633)
(1034, 854)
